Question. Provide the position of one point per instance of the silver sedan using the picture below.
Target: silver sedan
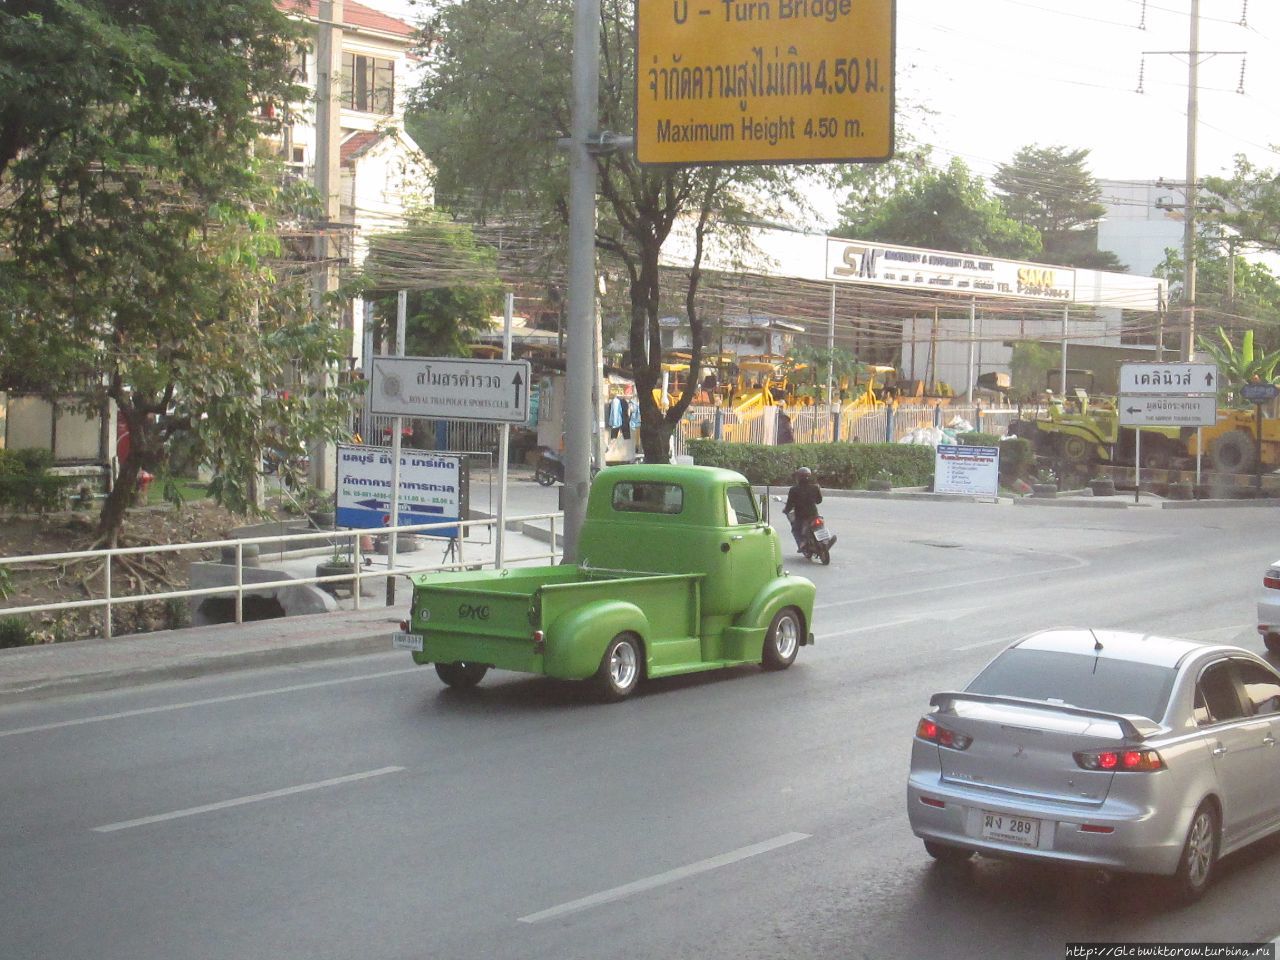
(1122, 751)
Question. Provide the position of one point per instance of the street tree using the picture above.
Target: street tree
(1239, 365)
(141, 259)
(494, 103)
(945, 209)
(1232, 290)
(452, 282)
(1050, 188)
(1248, 203)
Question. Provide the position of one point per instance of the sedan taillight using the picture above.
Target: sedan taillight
(1120, 761)
(929, 729)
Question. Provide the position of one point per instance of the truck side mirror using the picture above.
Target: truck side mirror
(764, 505)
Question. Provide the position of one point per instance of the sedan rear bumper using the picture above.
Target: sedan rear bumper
(1119, 838)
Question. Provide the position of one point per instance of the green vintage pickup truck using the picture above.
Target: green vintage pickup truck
(679, 573)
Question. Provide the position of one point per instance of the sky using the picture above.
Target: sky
(998, 75)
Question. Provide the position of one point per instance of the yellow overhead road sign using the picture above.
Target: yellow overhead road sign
(764, 81)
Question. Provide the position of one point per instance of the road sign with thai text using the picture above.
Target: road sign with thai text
(432, 488)
(449, 388)
(1147, 411)
(1168, 379)
(764, 81)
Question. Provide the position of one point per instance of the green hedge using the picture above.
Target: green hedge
(1017, 457)
(26, 484)
(845, 466)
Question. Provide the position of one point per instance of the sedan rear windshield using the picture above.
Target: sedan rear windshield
(1095, 683)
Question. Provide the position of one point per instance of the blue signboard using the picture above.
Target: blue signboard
(432, 489)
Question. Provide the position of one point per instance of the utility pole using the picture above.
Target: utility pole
(581, 285)
(328, 183)
(1189, 221)
(1193, 55)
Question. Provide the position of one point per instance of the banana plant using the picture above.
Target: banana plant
(1238, 366)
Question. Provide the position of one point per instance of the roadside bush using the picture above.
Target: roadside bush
(27, 485)
(1017, 458)
(846, 466)
(14, 632)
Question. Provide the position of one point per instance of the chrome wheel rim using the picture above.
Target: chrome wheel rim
(623, 665)
(1199, 849)
(787, 637)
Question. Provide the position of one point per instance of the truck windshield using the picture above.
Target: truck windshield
(648, 497)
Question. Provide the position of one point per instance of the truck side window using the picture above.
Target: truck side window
(742, 506)
(648, 497)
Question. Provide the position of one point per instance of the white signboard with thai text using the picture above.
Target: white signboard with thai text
(432, 488)
(1169, 379)
(450, 388)
(1148, 411)
(964, 469)
(856, 261)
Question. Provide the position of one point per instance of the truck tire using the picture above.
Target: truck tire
(619, 667)
(782, 642)
(1077, 450)
(461, 676)
(1232, 452)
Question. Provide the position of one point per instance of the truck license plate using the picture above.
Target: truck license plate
(1019, 831)
(407, 641)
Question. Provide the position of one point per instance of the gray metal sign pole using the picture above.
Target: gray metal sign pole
(402, 313)
(504, 446)
(581, 287)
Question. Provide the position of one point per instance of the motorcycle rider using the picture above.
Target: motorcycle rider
(802, 504)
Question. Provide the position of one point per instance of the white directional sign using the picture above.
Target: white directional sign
(1168, 379)
(451, 388)
(1147, 411)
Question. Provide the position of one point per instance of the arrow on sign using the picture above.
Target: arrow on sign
(1133, 410)
(1208, 379)
(517, 381)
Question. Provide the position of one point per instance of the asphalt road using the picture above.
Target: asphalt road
(358, 809)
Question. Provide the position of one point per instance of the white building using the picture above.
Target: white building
(1143, 219)
(384, 172)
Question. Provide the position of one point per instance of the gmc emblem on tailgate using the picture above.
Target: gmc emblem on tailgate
(467, 612)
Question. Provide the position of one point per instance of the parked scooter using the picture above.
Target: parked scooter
(818, 541)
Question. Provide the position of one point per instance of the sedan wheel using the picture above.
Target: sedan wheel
(1199, 855)
(782, 643)
(619, 667)
(944, 853)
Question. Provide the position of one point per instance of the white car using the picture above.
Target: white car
(1123, 751)
(1269, 608)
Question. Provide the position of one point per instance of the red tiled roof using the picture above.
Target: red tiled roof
(356, 144)
(353, 14)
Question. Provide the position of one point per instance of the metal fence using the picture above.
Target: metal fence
(345, 543)
(445, 436)
(813, 424)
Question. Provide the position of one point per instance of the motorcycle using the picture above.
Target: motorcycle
(818, 541)
(550, 469)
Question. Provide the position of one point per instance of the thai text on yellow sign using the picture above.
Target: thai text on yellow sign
(764, 81)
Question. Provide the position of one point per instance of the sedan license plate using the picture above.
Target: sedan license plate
(1019, 831)
(407, 641)
(821, 534)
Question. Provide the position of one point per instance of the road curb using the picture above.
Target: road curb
(102, 681)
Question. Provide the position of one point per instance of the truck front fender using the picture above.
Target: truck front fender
(577, 639)
(788, 591)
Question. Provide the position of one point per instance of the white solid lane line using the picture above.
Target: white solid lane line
(231, 698)
(671, 876)
(240, 801)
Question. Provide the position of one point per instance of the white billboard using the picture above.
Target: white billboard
(432, 488)
(857, 261)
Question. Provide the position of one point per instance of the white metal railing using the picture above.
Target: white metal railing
(813, 424)
(327, 539)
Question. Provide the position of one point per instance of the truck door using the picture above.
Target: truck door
(750, 539)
